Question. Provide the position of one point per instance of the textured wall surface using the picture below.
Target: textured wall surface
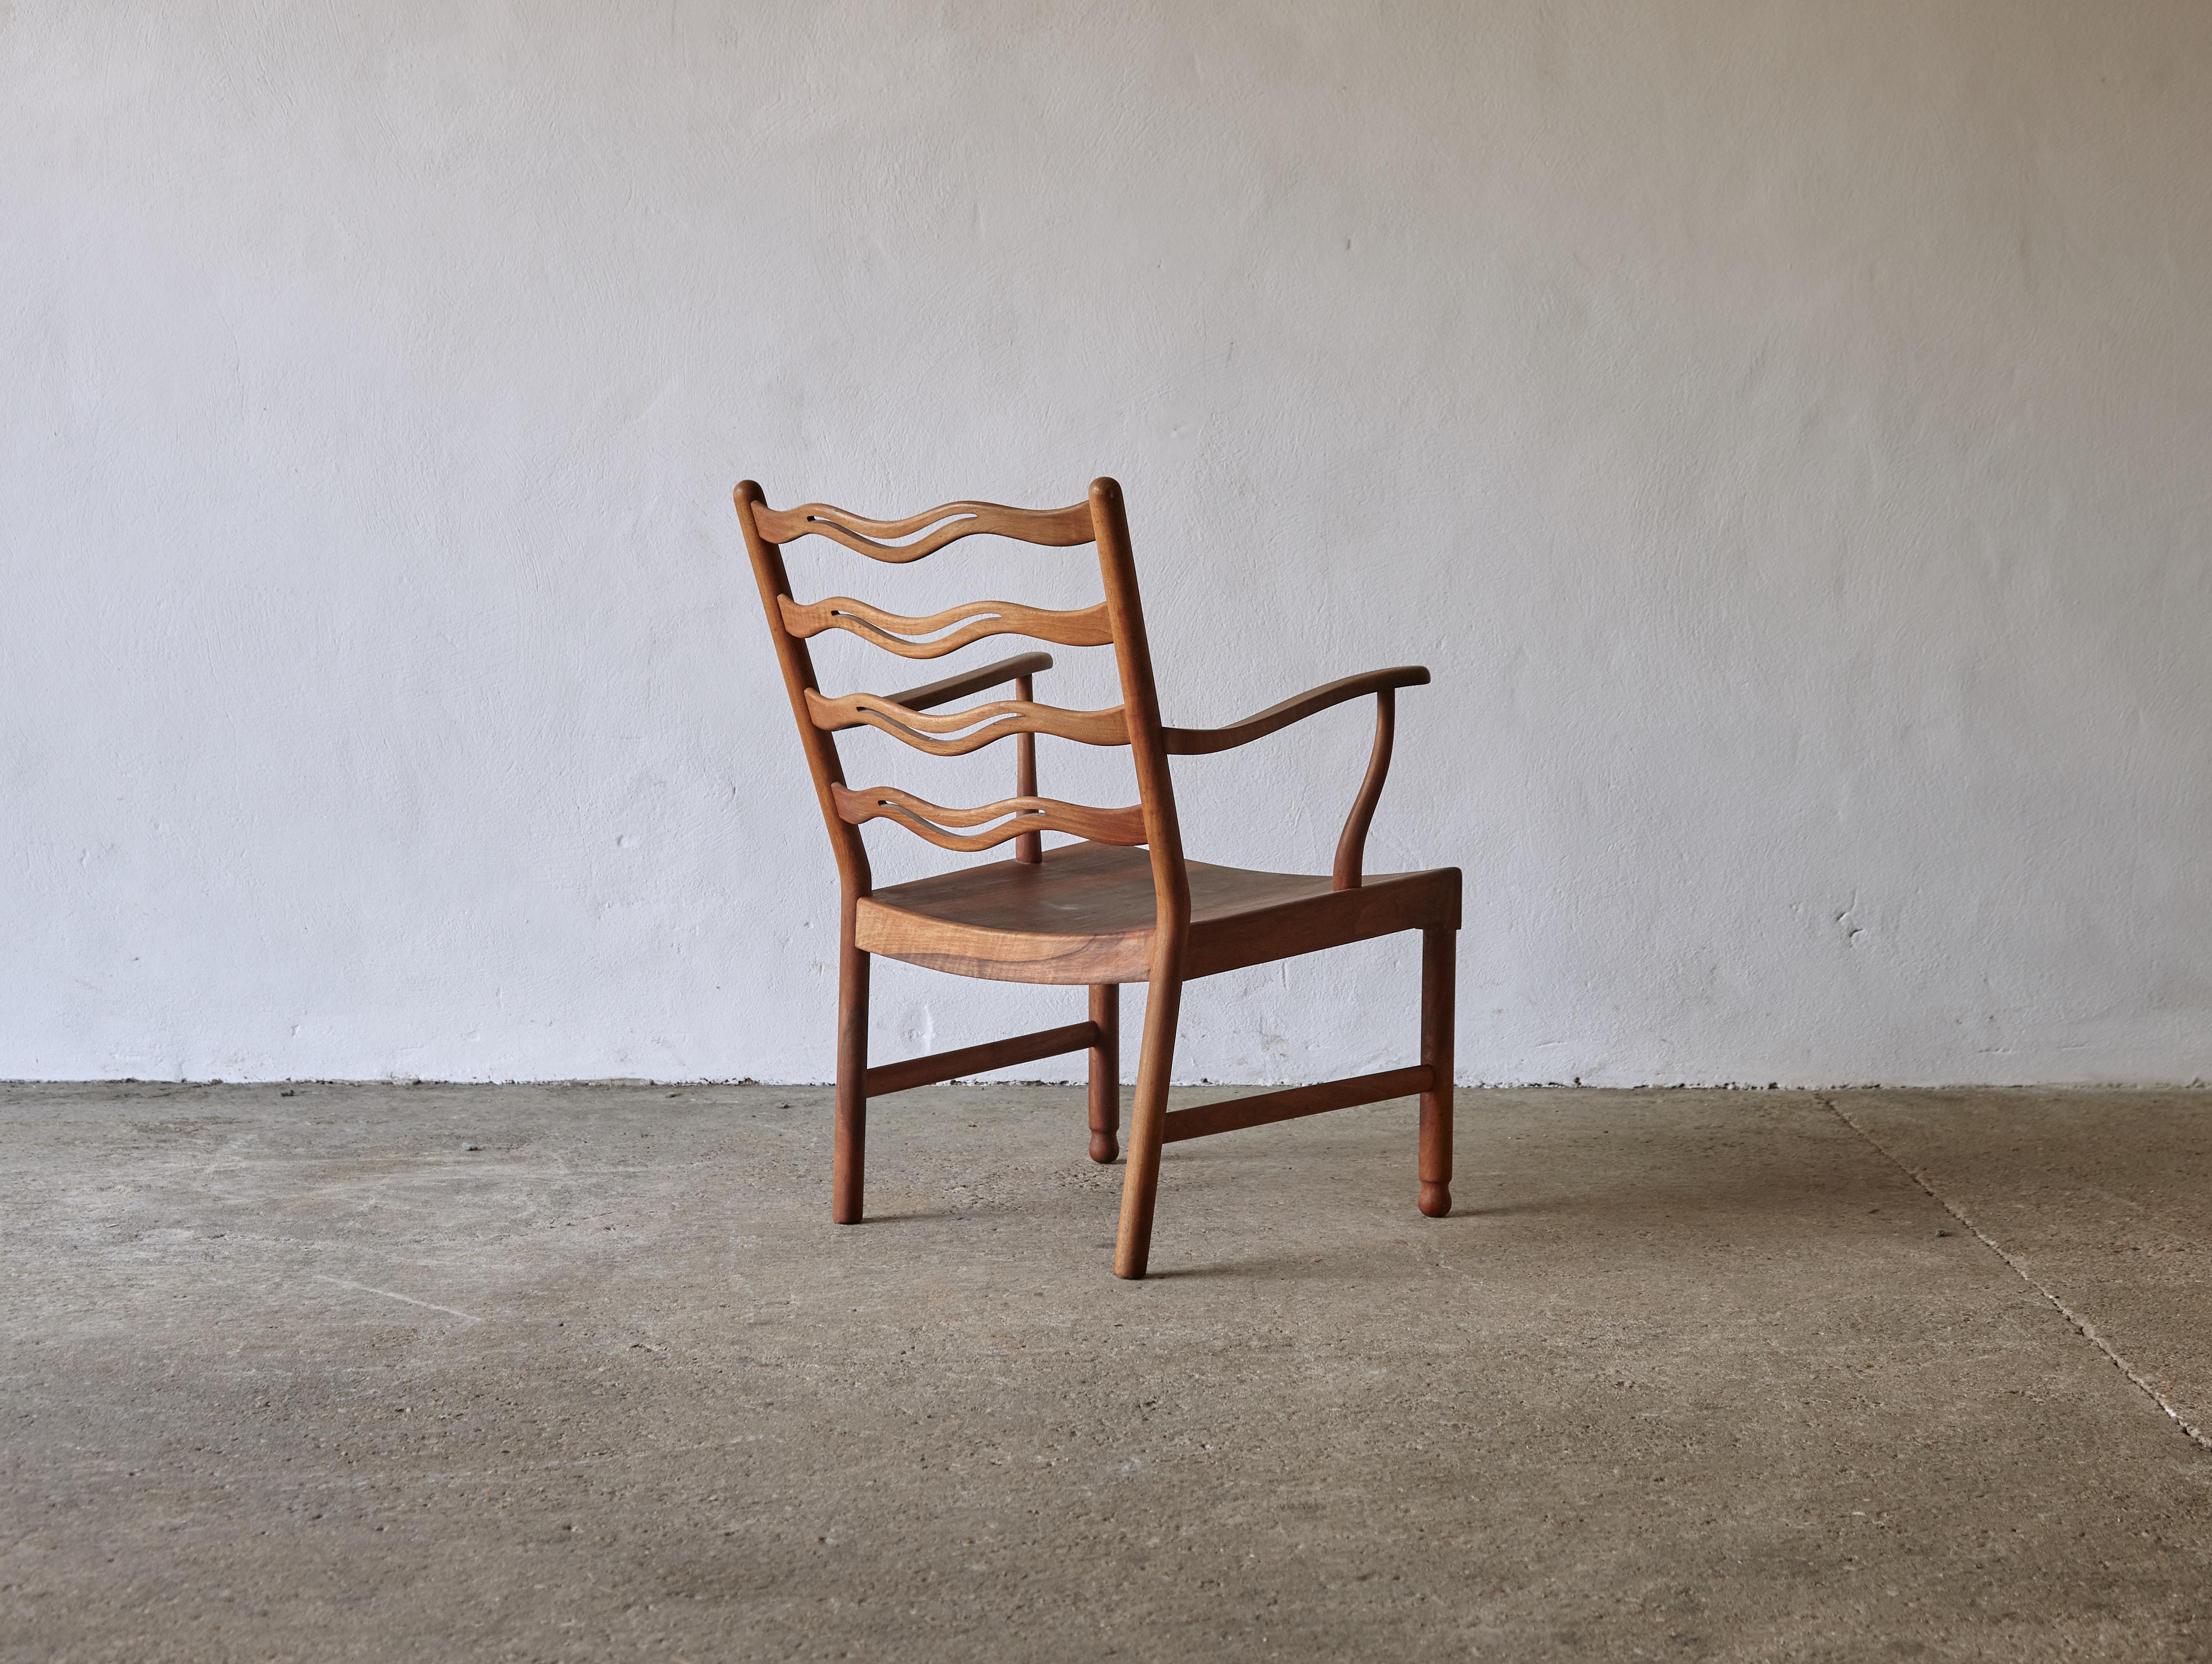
(1782, 428)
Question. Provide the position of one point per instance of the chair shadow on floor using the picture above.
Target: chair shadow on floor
(1650, 1184)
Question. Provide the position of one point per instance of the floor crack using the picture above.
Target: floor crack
(426, 1305)
(2082, 1325)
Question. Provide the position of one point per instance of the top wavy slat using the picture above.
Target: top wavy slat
(948, 523)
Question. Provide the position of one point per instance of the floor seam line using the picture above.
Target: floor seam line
(2081, 1324)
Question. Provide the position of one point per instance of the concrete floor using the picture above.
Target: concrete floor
(1689, 1374)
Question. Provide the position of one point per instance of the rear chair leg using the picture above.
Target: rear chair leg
(1439, 1012)
(849, 1152)
(1105, 1071)
(1147, 1119)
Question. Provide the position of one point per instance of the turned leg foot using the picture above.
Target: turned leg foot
(1140, 1179)
(1439, 1017)
(1106, 1072)
(849, 1150)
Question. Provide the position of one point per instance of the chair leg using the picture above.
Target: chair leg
(1106, 1071)
(1439, 1017)
(1147, 1119)
(849, 1153)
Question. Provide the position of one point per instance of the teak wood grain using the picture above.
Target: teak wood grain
(1026, 817)
(1265, 1108)
(914, 638)
(1123, 905)
(890, 1078)
(1086, 914)
(1108, 726)
(947, 524)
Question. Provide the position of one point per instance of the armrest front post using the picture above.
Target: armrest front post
(1384, 684)
(1352, 846)
(1028, 847)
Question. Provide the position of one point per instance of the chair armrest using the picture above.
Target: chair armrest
(1201, 741)
(975, 681)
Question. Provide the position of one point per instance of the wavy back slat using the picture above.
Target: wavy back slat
(929, 820)
(947, 524)
(1016, 716)
(893, 632)
(1118, 621)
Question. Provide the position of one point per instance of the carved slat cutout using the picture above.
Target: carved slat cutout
(1085, 628)
(938, 526)
(929, 820)
(1004, 716)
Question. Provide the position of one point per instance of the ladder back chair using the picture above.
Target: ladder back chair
(1123, 905)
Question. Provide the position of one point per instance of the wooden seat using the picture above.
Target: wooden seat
(1084, 915)
(1121, 905)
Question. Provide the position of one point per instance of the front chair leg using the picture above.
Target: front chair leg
(1105, 1071)
(848, 1152)
(1147, 1119)
(1439, 1017)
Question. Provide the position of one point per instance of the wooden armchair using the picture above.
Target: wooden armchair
(1123, 905)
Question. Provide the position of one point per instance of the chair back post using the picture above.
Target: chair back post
(1133, 656)
(854, 877)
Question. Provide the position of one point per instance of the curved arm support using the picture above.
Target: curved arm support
(1202, 742)
(1021, 667)
(1351, 844)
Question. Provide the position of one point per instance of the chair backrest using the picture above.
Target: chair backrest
(1116, 621)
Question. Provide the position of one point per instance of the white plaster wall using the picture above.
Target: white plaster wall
(1782, 427)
